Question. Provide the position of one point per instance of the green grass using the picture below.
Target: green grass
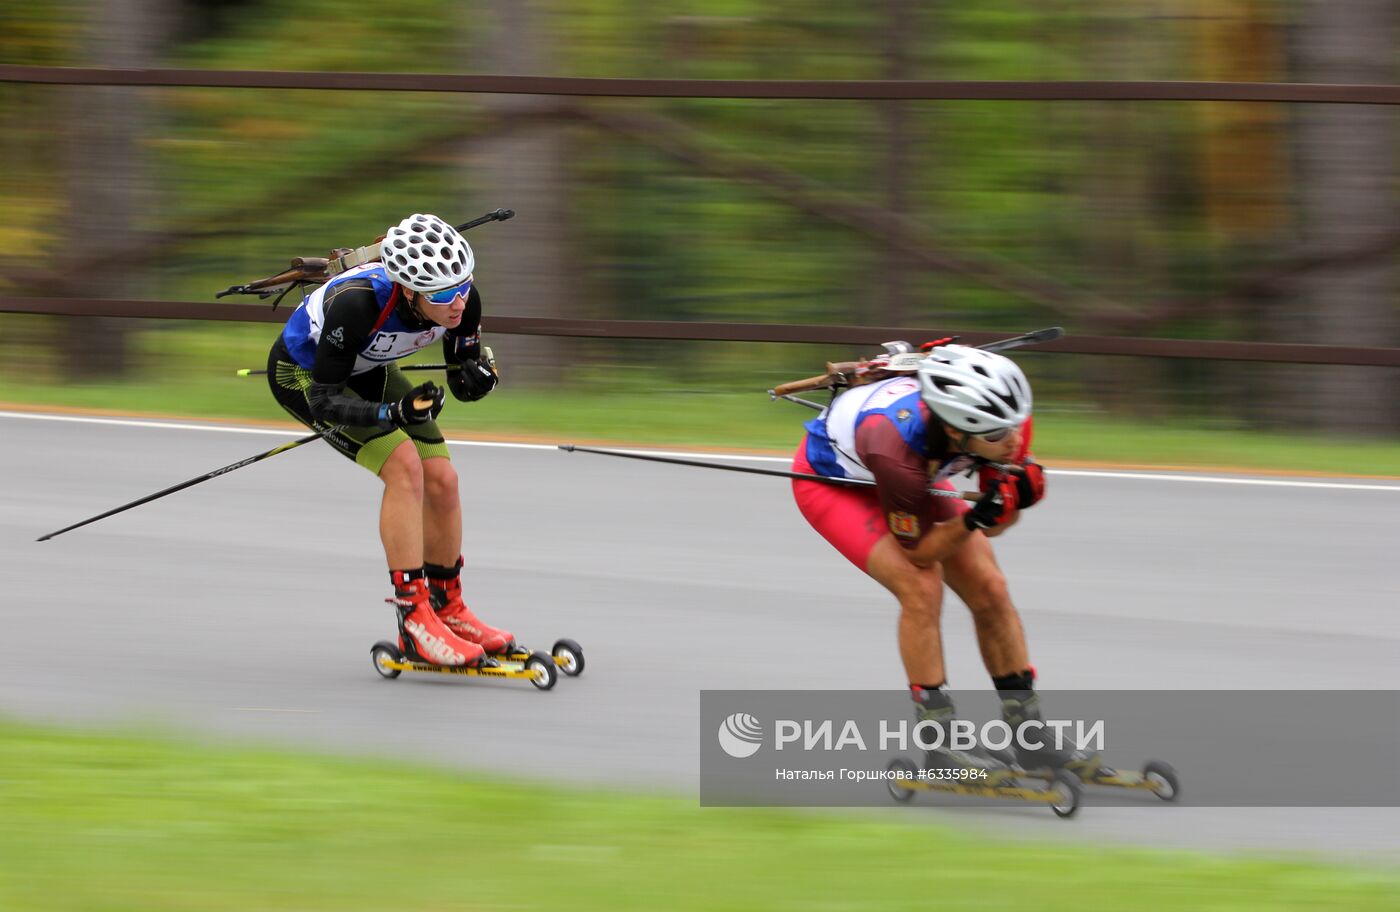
(121, 823)
(632, 404)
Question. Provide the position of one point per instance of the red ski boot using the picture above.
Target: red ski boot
(446, 594)
(427, 634)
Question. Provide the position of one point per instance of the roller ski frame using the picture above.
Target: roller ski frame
(515, 661)
(1062, 790)
(1156, 777)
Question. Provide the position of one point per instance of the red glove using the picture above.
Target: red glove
(1028, 480)
(1030, 484)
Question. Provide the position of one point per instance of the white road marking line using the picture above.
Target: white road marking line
(1225, 479)
(742, 457)
(268, 709)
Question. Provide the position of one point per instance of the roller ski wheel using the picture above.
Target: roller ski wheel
(1068, 794)
(544, 673)
(1161, 780)
(385, 657)
(568, 655)
(902, 773)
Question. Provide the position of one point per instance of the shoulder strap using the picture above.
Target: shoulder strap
(388, 309)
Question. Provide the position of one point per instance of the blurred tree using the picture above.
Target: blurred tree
(198, 19)
(1123, 161)
(108, 183)
(1347, 193)
(1244, 175)
(897, 34)
(524, 264)
(1244, 167)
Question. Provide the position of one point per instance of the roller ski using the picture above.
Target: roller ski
(1047, 763)
(973, 772)
(445, 595)
(391, 660)
(427, 645)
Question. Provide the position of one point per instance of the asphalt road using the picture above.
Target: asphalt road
(245, 607)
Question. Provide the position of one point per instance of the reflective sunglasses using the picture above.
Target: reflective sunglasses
(448, 295)
(995, 436)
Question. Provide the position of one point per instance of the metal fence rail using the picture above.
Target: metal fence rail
(1291, 353)
(873, 89)
(728, 88)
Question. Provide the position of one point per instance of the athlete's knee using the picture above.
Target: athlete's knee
(403, 470)
(439, 479)
(920, 592)
(987, 592)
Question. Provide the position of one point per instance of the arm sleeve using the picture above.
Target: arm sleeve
(901, 479)
(350, 315)
(463, 342)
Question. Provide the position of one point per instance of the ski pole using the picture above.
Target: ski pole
(186, 484)
(824, 479)
(282, 448)
(249, 372)
(486, 353)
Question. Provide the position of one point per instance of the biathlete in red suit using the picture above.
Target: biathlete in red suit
(965, 409)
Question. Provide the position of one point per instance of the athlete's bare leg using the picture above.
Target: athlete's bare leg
(920, 595)
(442, 512)
(973, 573)
(401, 512)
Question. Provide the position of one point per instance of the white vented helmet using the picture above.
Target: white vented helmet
(426, 254)
(973, 390)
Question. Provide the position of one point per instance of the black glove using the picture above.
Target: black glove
(406, 411)
(471, 380)
(996, 507)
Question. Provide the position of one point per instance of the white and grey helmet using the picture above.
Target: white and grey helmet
(426, 254)
(973, 390)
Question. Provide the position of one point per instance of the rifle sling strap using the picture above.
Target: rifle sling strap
(357, 257)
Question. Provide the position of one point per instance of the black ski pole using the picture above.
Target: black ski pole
(778, 473)
(186, 484)
(250, 372)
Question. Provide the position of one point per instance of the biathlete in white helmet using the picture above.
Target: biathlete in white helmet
(333, 369)
(964, 408)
